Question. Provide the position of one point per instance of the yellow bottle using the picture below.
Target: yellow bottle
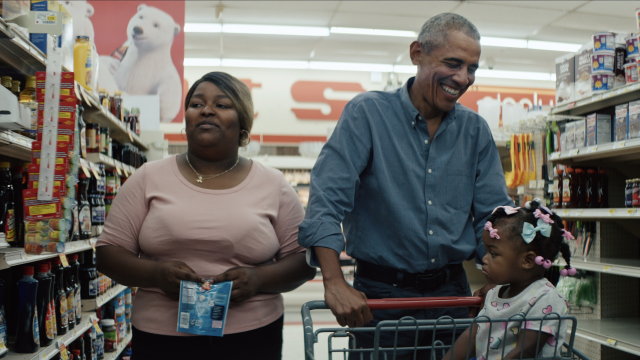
(82, 62)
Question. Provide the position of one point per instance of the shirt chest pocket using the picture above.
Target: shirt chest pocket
(459, 186)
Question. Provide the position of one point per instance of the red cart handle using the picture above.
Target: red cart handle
(424, 303)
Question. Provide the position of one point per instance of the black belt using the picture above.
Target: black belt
(429, 280)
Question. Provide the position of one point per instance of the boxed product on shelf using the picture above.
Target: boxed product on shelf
(634, 120)
(570, 136)
(62, 152)
(565, 79)
(59, 177)
(618, 68)
(35, 209)
(13, 115)
(580, 130)
(67, 84)
(622, 122)
(598, 129)
(583, 74)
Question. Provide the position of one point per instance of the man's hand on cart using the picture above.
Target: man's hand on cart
(482, 292)
(347, 304)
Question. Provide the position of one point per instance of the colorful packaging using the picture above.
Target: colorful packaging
(565, 79)
(603, 61)
(602, 82)
(203, 307)
(622, 122)
(634, 120)
(67, 85)
(598, 129)
(570, 137)
(618, 67)
(631, 72)
(580, 131)
(35, 209)
(583, 74)
(604, 41)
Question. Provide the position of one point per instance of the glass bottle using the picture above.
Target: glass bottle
(628, 193)
(567, 188)
(592, 189)
(557, 189)
(62, 313)
(603, 189)
(116, 104)
(71, 296)
(27, 334)
(84, 207)
(7, 205)
(15, 88)
(93, 138)
(635, 195)
(581, 181)
(105, 140)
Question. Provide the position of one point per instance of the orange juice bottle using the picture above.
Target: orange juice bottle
(82, 62)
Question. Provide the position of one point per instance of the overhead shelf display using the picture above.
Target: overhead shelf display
(622, 334)
(599, 214)
(617, 151)
(623, 267)
(16, 256)
(18, 53)
(591, 104)
(15, 146)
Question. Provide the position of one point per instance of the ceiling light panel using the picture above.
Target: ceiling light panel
(202, 28)
(275, 30)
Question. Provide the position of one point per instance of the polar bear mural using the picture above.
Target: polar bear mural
(146, 67)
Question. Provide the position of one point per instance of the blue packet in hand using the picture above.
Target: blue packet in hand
(203, 307)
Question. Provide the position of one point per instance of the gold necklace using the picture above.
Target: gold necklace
(200, 177)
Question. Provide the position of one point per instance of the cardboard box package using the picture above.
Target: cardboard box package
(634, 120)
(598, 129)
(570, 138)
(580, 130)
(622, 122)
(583, 74)
(565, 79)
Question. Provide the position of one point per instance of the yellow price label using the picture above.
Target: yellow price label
(84, 168)
(51, 18)
(613, 211)
(94, 170)
(117, 165)
(42, 209)
(612, 342)
(566, 212)
(593, 149)
(63, 259)
(64, 138)
(607, 268)
(126, 173)
(96, 326)
(632, 211)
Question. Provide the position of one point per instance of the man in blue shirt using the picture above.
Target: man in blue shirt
(412, 175)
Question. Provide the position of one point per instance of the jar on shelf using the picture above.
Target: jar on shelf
(93, 138)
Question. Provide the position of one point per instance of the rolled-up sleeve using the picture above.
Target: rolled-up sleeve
(335, 178)
(490, 187)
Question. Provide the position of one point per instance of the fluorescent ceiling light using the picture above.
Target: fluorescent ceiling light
(517, 75)
(342, 66)
(201, 62)
(529, 44)
(375, 32)
(275, 30)
(202, 28)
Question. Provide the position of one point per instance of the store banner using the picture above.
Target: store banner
(141, 48)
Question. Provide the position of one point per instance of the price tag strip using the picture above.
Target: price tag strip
(94, 170)
(592, 149)
(63, 259)
(574, 152)
(619, 144)
(83, 164)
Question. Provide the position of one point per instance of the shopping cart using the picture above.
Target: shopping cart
(409, 325)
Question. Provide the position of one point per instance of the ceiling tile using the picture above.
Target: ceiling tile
(280, 5)
(624, 9)
(196, 41)
(551, 5)
(595, 23)
(557, 34)
(497, 29)
(375, 21)
(506, 14)
(425, 9)
(276, 17)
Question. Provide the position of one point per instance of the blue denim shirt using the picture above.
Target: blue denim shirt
(406, 201)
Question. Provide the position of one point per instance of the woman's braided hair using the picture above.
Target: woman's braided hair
(547, 247)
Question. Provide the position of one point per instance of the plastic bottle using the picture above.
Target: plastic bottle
(52, 303)
(84, 207)
(635, 195)
(71, 296)
(3, 324)
(89, 287)
(62, 312)
(28, 333)
(116, 104)
(98, 341)
(45, 314)
(567, 190)
(581, 181)
(89, 350)
(603, 189)
(7, 206)
(6, 82)
(93, 138)
(83, 62)
(75, 271)
(557, 186)
(110, 335)
(628, 193)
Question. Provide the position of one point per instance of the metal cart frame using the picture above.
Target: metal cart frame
(409, 324)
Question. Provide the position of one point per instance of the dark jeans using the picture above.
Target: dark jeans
(262, 343)
(458, 286)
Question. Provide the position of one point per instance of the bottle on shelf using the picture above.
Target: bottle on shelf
(557, 189)
(6, 82)
(89, 285)
(105, 140)
(592, 189)
(116, 104)
(3, 324)
(52, 303)
(19, 182)
(75, 273)
(635, 197)
(98, 341)
(7, 205)
(15, 88)
(71, 297)
(45, 313)
(567, 190)
(89, 350)
(83, 62)
(28, 332)
(82, 133)
(603, 189)
(94, 201)
(135, 113)
(102, 189)
(581, 181)
(93, 138)
(62, 313)
(84, 207)
(628, 194)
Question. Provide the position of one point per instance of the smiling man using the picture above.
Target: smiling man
(412, 175)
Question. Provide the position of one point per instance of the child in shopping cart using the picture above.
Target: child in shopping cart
(521, 244)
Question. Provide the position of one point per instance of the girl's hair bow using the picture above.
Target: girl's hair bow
(492, 232)
(529, 232)
(544, 217)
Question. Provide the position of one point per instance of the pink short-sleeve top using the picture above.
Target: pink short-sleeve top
(161, 216)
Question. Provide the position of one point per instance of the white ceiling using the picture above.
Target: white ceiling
(559, 21)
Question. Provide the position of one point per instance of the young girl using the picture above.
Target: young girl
(521, 244)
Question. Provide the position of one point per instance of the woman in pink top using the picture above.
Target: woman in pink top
(208, 213)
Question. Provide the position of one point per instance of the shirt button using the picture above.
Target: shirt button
(413, 123)
(426, 141)
(430, 232)
(433, 260)
(430, 202)
(429, 171)
(419, 117)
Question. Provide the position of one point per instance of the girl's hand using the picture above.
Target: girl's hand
(169, 274)
(246, 282)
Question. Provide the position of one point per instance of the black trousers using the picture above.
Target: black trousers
(264, 343)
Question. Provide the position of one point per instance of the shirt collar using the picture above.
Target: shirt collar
(412, 113)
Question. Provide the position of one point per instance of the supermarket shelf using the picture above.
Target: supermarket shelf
(108, 162)
(90, 305)
(15, 145)
(95, 113)
(597, 102)
(599, 214)
(622, 334)
(51, 350)
(624, 267)
(18, 53)
(121, 346)
(16, 256)
(611, 152)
